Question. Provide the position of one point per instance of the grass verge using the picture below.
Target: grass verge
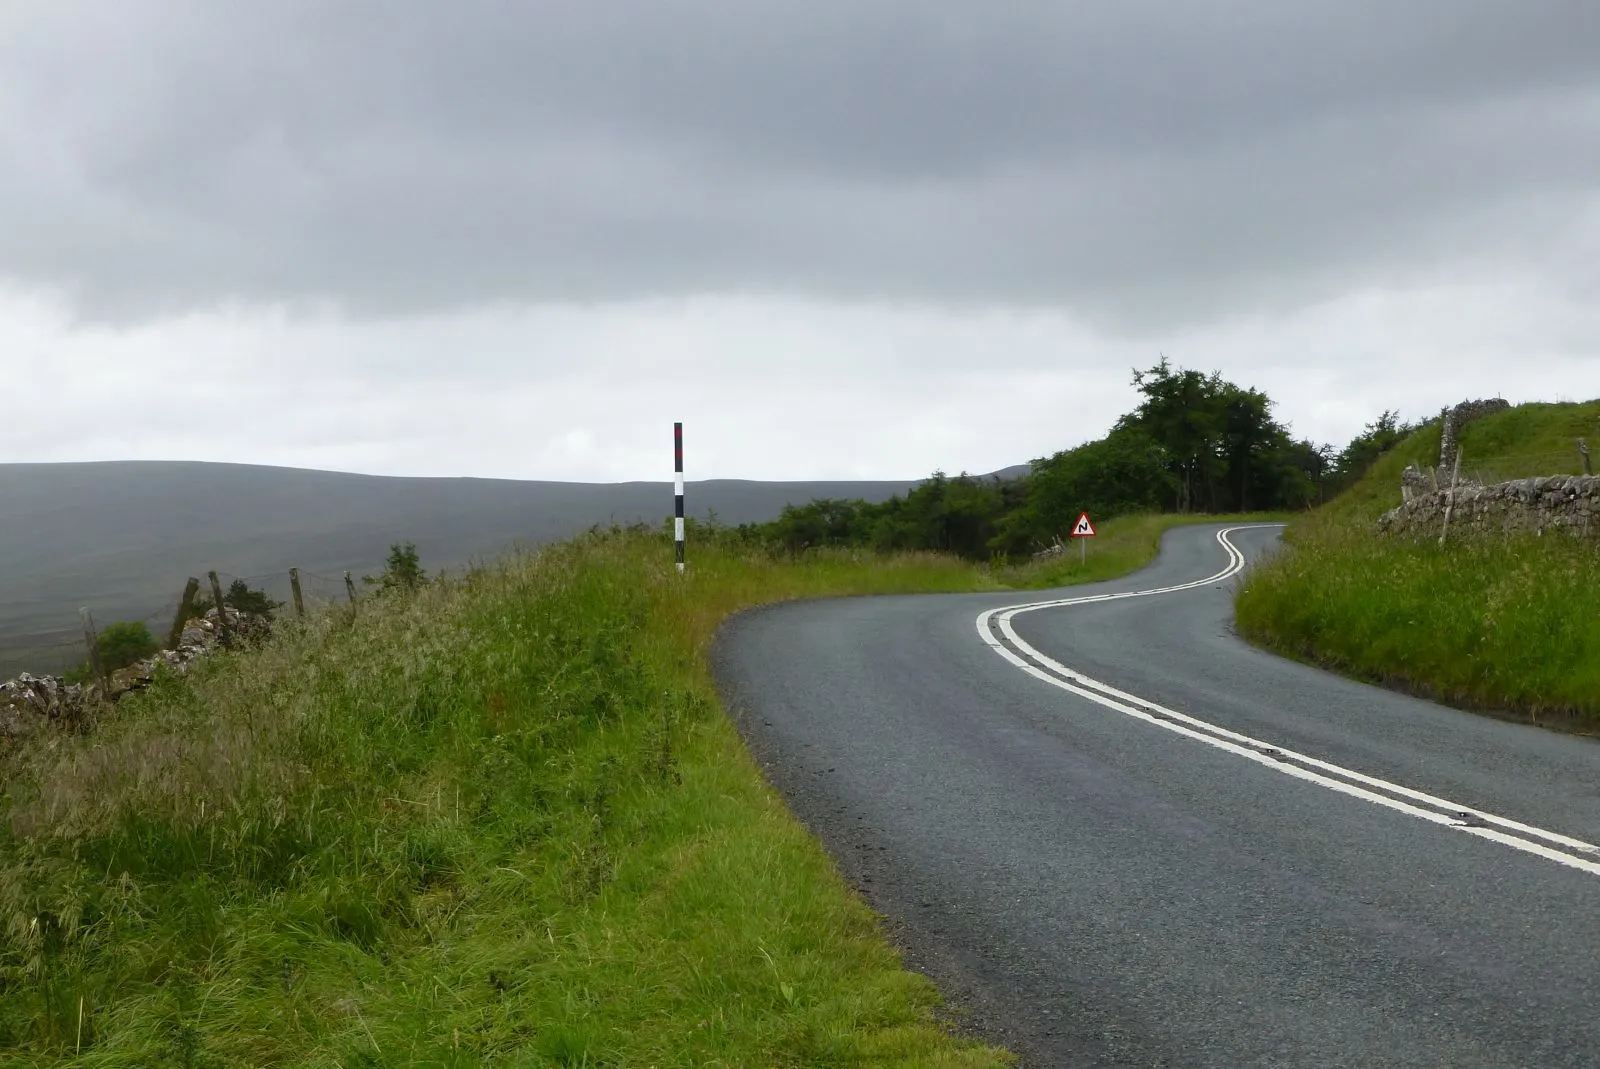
(1503, 625)
(500, 822)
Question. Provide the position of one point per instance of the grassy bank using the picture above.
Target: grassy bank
(502, 821)
(1504, 624)
(1528, 440)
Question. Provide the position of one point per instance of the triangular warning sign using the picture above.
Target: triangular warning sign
(1083, 528)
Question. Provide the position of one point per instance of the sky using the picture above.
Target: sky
(836, 238)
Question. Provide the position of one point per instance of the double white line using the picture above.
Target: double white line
(996, 629)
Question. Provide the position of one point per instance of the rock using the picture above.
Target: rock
(1050, 552)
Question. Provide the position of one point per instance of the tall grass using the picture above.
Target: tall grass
(1503, 624)
(500, 822)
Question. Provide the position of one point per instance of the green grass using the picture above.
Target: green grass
(1497, 624)
(1528, 440)
(501, 822)
(1510, 625)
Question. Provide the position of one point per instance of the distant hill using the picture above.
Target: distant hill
(122, 537)
(1015, 471)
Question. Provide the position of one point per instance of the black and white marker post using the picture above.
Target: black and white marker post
(677, 467)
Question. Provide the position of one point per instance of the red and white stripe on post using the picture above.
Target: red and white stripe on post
(677, 512)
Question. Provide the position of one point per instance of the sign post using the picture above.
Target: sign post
(1083, 530)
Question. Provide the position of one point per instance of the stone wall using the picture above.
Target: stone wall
(1568, 503)
(28, 704)
(1453, 419)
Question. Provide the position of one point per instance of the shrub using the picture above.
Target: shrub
(121, 644)
(242, 596)
(124, 643)
(403, 571)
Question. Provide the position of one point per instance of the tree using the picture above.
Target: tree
(240, 596)
(1221, 444)
(823, 522)
(248, 600)
(1195, 442)
(1182, 413)
(403, 571)
(949, 515)
(1126, 471)
(1375, 439)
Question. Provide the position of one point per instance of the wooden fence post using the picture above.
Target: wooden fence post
(96, 665)
(185, 603)
(350, 586)
(222, 610)
(294, 588)
(1583, 452)
(1450, 505)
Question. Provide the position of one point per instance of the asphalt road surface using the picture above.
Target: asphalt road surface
(1115, 834)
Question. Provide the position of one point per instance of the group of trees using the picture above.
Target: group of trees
(949, 514)
(1195, 443)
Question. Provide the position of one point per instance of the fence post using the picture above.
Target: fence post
(1450, 505)
(350, 588)
(294, 588)
(96, 665)
(1583, 452)
(216, 597)
(185, 603)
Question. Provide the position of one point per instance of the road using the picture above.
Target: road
(1352, 877)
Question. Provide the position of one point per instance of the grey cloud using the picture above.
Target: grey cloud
(1140, 163)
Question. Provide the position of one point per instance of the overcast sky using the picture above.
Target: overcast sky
(838, 238)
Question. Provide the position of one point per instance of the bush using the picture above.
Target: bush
(403, 571)
(241, 596)
(121, 644)
(126, 642)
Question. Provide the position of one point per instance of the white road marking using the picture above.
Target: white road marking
(1550, 845)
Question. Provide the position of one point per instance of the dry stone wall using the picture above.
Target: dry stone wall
(1453, 419)
(29, 704)
(1565, 503)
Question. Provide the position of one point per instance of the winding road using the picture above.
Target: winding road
(1115, 834)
